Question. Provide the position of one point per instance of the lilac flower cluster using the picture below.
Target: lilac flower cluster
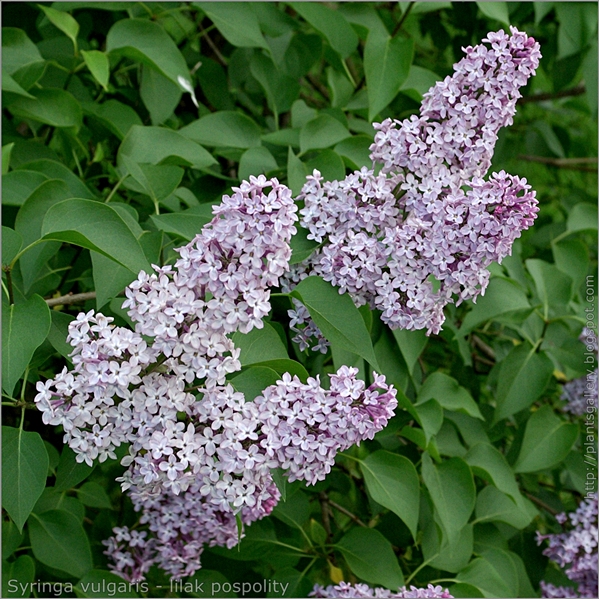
(195, 463)
(575, 550)
(424, 230)
(345, 589)
(581, 394)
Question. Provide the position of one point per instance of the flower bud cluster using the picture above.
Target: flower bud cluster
(422, 232)
(576, 551)
(345, 589)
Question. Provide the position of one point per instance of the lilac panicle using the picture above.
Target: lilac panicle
(581, 394)
(575, 550)
(422, 232)
(199, 454)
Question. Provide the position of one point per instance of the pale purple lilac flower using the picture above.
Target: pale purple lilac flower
(581, 394)
(422, 232)
(575, 550)
(221, 462)
(347, 590)
(196, 463)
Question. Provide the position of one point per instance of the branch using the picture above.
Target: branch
(403, 18)
(486, 349)
(349, 514)
(567, 93)
(541, 503)
(569, 163)
(70, 298)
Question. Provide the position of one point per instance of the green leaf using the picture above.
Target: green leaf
(55, 107)
(281, 90)
(577, 24)
(583, 217)
(463, 589)
(97, 227)
(63, 21)
(411, 345)
(56, 170)
(207, 583)
(224, 128)
(153, 145)
(24, 328)
(29, 225)
(259, 345)
(296, 172)
(589, 73)
(11, 86)
(24, 471)
(12, 537)
(186, 224)
(114, 115)
(336, 316)
(523, 376)
(301, 247)
(495, 10)
(547, 441)
(295, 511)
(237, 23)
(18, 185)
(501, 297)
(6, 154)
(489, 463)
(392, 481)
(571, 257)
(70, 472)
(156, 181)
(12, 242)
(387, 63)
(96, 583)
(370, 557)
(93, 495)
(355, 150)
(494, 506)
(159, 94)
(256, 161)
(20, 57)
(322, 132)
(452, 490)
(430, 417)
(21, 572)
(554, 288)
(331, 24)
(253, 380)
(55, 500)
(98, 65)
(490, 577)
(281, 366)
(59, 541)
(449, 394)
(147, 42)
(329, 164)
(418, 82)
(443, 555)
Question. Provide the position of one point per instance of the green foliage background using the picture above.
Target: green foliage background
(109, 162)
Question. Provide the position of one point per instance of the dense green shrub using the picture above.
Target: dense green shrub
(125, 123)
